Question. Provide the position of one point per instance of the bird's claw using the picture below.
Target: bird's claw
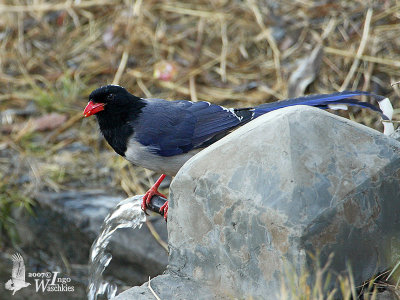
(164, 210)
(147, 197)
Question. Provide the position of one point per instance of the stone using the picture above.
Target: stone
(168, 286)
(295, 181)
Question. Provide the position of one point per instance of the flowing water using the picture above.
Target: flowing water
(127, 213)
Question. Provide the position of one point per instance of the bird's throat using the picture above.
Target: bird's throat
(116, 133)
(116, 123)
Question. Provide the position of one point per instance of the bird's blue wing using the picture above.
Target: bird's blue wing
(174, 127)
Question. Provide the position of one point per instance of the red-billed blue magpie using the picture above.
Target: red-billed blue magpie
(162, 135)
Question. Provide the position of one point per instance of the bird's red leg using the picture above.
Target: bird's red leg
(153, 191)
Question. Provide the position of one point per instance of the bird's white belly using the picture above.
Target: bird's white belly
(139, 155)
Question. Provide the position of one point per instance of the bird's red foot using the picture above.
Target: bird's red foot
(154, 191)
(149, 194)
(164, 210)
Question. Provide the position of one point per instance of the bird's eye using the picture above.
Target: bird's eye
(110, 97)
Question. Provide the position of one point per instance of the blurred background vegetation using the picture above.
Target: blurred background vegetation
(231, 52)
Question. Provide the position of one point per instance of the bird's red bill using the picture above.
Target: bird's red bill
(92, 108)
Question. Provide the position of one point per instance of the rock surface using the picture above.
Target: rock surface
(295, 180)
(168, 286)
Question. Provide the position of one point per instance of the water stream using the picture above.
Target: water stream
(127, 213)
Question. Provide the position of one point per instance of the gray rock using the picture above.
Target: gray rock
(386, 295)
(168, 287)
(296, 180)
(70, 221)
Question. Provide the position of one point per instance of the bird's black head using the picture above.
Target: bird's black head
(111, 100)
(116, 110)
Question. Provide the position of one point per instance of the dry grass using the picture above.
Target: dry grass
(321, 283)
(237, 53)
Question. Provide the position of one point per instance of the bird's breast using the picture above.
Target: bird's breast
(141, 155)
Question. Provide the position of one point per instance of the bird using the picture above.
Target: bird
(17, 280)
(162, 135)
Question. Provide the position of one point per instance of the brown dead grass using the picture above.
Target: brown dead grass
(237, 53)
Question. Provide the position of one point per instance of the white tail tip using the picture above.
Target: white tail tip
(386, 106)
(337, 106)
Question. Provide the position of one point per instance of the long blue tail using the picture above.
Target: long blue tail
(335, 101)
